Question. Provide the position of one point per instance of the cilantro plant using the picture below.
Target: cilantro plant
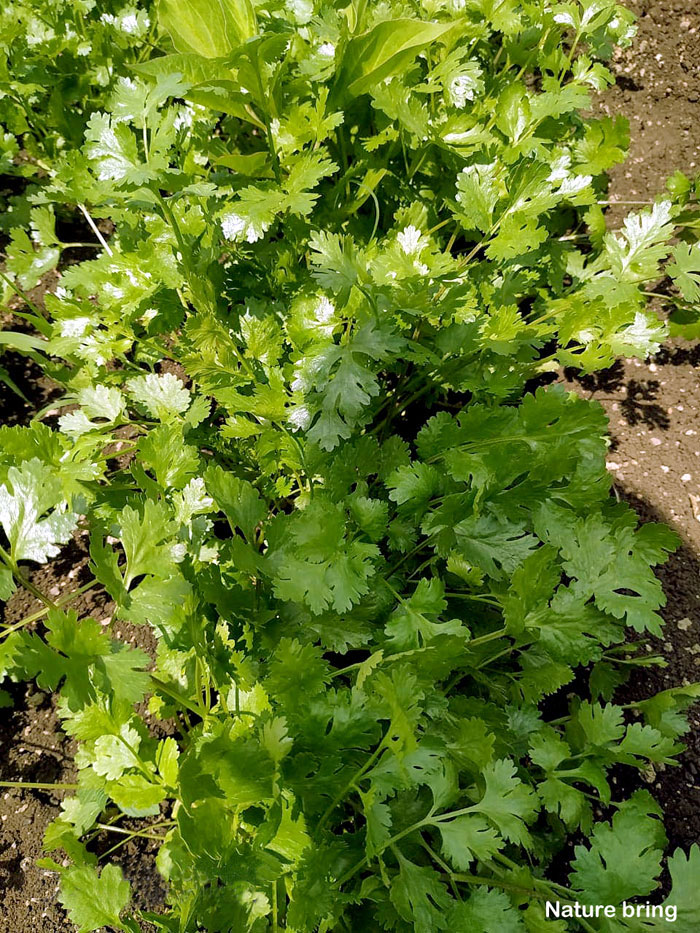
(305, 427)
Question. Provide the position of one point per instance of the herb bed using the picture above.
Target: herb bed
(418, 614)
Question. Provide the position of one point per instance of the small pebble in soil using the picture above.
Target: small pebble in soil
(684, 624)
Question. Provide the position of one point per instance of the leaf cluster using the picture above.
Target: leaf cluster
(307, 427)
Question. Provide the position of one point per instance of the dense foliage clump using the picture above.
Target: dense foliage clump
(305, 425)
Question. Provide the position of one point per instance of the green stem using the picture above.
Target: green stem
(183, 701)
(385, 659)
(140, 764)
(357, 776)
(106, 827)
(474, 597)
(21, 579)
(394, 839)
(95, 229)
(670, 298)
(484, 639)
(467, 878)
(60, 603)
(265, 102)
(37, 785)
(21, 294)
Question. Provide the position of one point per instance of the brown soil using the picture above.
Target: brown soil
(654, 458)
(33, 748)
(658, 90)
(653, 406)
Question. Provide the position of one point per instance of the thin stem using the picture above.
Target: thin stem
(27, 584)
(444, 866)
(394, 839)
(494, 657)
(60, 603)
(21, 294)
(95, 230)
(491, 636)
(275, 926)
(467, 878)
(474, 597)
(37, 785)
(670, 298)
(384, 659)
(145, 833)
(357, 776)
(612, 203)
(419, 547)
(183, 701)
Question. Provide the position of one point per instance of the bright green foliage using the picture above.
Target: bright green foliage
(93, 901)
(335, 252)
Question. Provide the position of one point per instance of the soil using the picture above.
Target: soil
(658, 89)
(653, 406)
(654, 458)
(33, 748)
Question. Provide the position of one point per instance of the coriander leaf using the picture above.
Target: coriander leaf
(162, 394)
(419, 897)
(507, 802)
(93, 900)
(467, 838)
(237, 498)
(489, 911)
(623, 859)
(685, 270)
(34, 490)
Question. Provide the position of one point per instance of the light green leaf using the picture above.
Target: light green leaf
(210, 28)
(384, 51)
(163, 394)
(467, 838)
(93, 900)
(33, 491)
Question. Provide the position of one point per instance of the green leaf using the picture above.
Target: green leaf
(489, 911)
(467, 838)
(136, 796)
(239, 771)
(93, 900)
(115, 754)
(419, 897)
(604, 144)
(684, 891)
(415, 622)
(237, 498)
(598, 555)
(384, 51)
(165, 452)
(29, 261)
(477, 195)
(25, 343)
(685, 270)
(210, 29)
(507, 802)
(162, 394)
(34, 513)
(624, 857)
(146, 540)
